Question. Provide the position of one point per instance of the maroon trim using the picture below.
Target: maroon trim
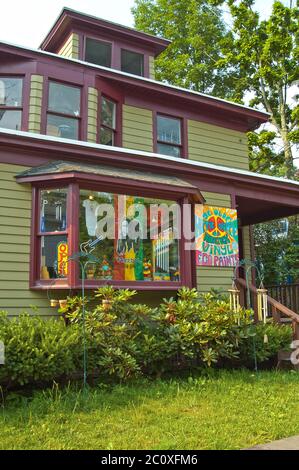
(72, 233)
(70, 19)
(203, 107)
(183, 146)
(79, 119)
(124, 185)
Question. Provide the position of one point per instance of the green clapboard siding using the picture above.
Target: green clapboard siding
(212, 144)
(151, 67)
(71, 47)
(137, 128)
(15, 216)
(213, 277)
(35, 103)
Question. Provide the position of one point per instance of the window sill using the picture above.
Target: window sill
(140, 286)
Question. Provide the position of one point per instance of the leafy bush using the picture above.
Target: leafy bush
(37, 350)
(268, 340)
(124, 339)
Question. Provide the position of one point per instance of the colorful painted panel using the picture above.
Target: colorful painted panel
(216, 235)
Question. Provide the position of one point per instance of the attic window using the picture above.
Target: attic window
(132, 62)
(98, 52)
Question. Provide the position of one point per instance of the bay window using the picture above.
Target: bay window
(107, 121)
(52, 236)
(11, 102)
(169, 136)
(63, 114)
(69, 220)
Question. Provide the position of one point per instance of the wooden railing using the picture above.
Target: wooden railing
(279, 312)
(286, 294)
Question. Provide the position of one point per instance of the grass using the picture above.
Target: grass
(221, 410)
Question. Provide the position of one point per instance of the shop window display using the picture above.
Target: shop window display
(125, 255)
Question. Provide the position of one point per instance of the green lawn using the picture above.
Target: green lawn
(228, 410)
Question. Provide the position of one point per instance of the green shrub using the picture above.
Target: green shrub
(37, 350)
(268, 340)
(124, 339)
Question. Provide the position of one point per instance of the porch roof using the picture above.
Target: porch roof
(258, 197)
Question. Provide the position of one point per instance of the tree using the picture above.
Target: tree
(277, 249)
(266, 55)
(198, 34)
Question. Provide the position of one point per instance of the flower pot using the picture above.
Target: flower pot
(63, 303)
(54, 303)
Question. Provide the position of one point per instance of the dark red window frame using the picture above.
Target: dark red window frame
(83, 109)
(72, 280)
(183, 128)
(103, 41)
(16, 108)
(116, 129)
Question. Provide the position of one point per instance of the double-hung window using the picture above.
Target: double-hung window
(52, 234)
(11, 102)
(169, 136)
(108, 121)
(63, 115)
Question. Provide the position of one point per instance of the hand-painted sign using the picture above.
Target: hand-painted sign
(62, 254)
(216, 236)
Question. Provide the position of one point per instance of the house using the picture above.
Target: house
(85, 125)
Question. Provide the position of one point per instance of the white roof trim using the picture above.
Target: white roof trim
(187, 162)
(138, 78)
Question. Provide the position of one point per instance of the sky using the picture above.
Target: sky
(26, 22)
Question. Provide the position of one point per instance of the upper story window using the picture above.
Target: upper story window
(11, 102)
(108, 121)
(169, 136)
(132, 62)
(63, 115)
(98, 52)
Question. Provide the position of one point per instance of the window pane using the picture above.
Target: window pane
(10, 119)
(132, 62)
(53, 210)
(170, 150)
(120, 255)
(106, 136)
(11, 91)
(98, 52)
(169, 130)
(108, 109)
(64, 99)
(54, 254)
(59, 126)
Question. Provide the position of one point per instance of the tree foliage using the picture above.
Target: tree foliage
(198, 34)
(253, 58)
(277, 250)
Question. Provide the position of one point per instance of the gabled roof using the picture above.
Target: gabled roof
(69, 19)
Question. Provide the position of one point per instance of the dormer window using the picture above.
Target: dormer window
(132, 62)
(63, 116)
(98, 52)
(11, 102)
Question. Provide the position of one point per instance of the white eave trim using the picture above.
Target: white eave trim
(182, 161)
(136, 77)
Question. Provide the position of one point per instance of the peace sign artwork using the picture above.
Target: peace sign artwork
(216, 236)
